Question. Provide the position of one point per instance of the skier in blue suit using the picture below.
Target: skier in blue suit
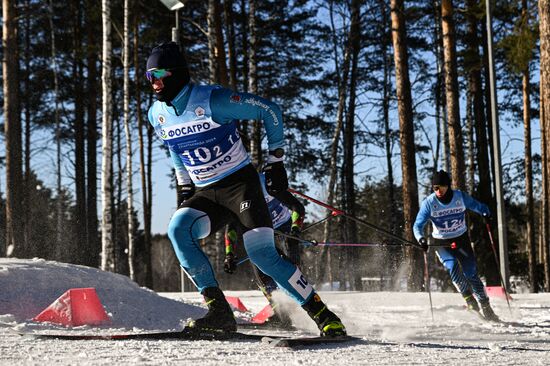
(217, 183)
(446, 209)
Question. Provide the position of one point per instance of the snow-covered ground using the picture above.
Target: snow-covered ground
(396, 328)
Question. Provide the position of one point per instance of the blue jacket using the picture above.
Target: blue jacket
(199, 128)
(448, 220)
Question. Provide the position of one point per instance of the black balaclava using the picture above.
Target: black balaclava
(441, 178)
(168, 56)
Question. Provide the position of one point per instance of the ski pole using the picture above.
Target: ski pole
(337, 212)
(427, 282)
(353, 244)
(316, 223)
(278, 232)
(289, 236)
(370, 245)
(243, 260)
(488, 226)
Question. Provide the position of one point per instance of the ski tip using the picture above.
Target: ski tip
(307, 341)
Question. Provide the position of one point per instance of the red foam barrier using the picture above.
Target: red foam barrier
(236, 304)
(263, 315)
(77, 306)
(497, 291)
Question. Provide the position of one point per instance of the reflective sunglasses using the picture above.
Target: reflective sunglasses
(157, 74)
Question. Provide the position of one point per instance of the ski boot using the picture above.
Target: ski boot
(471, 302)
(488, 312)
(219, 317)
(327, 322)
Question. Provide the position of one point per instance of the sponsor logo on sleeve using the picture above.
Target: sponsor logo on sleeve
(199, 111)
(161, 119)
(235, 98)
(260, 104)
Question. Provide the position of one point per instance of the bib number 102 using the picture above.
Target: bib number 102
(205, 154)
(202, 154)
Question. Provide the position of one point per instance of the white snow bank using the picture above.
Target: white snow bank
(28, 286)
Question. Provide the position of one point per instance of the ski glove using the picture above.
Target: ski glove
(185, 192)
(423, 243)
(297, 223)
(487, 217)
(230, 263)
(276, 179)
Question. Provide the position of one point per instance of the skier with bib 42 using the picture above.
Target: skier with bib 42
(446, 209)
(217, 183)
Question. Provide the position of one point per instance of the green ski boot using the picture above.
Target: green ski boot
(471, 302)
(488, 312)
(328, 323)
(219, 317)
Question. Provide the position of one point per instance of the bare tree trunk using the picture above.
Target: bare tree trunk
(406, 139)
(342, 97)
(470, 138)
(146, 265)
(392, 255)
(220, 47)
(446, 153)
(544, 27)
(80, 161)
(149, 172)
(108, 248)
(476, 89)
(230, 31)
(12, 133)
(544, 231)
(342, 77)
(61, 253)
(33, 251)
(93, 247)
(212, 62)
(245, 35)
(488, 112)
(452, 95)
(216, 49)
(530, 235)
(531, 248)
(244, 125)
(438, 96)
(473, 65)
(121, 247)
(349, 143)
(129, 154)
(256, 140)
(341, 256)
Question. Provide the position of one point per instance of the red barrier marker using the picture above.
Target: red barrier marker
(77, 306)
